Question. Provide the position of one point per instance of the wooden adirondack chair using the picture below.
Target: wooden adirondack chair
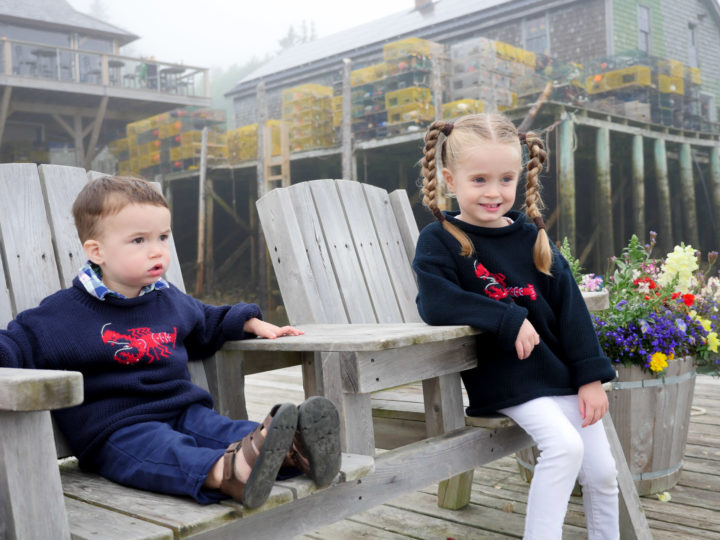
(41, 253)
(341, 251)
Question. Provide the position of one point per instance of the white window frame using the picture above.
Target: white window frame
(693, 57)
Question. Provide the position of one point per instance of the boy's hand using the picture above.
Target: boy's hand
(593, 402)
(267, 330)
(526, 340)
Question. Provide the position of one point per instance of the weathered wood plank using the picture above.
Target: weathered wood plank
(391, 243)
(89, 522)
(61, 186)
(31, 270)
(39, 390)
(396, 472)
(31, 502)
(6, 314)
(368, 250)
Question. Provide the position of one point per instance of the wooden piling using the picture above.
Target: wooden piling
(665, 236)
(347, 145)
(200, 276)
(604, 195)
(260, 250)
(638, 187)
(688, 197)
(715, 179)
(566, 175)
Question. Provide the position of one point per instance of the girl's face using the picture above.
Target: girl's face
(484, 180)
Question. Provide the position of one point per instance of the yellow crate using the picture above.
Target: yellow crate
(315, 141)
(306, 91)
(407, 47)
(337, 102)
(462, 107)
(368, 74)
(515, 54)
(414, 112)
(242, 142)
(149, 160)
(123, 168)
(672, 68)
(406, 96)
(671, 85)
(140, 126)
(118, 145)
(693, 75)
(619, 78)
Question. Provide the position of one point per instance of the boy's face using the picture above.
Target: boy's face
(133, 247)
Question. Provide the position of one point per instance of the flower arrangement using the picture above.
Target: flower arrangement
(660, 310)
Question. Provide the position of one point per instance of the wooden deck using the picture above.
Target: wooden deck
(499, 494)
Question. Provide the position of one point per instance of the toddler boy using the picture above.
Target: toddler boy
(143, 423)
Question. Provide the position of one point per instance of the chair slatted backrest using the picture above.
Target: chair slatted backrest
(341, 252)
(41, 252)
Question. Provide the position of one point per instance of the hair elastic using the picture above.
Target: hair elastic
(539, 223)
(447, 128)
(438, 214)
(523, 136)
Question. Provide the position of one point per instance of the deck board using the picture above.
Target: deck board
(499, 495)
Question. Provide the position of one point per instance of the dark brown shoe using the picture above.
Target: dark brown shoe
(315, 447)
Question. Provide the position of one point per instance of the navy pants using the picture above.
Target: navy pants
(172, 457)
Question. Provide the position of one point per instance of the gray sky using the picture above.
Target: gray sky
(209, 33)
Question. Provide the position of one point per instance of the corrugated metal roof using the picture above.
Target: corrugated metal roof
(381, 30)
(59, 13)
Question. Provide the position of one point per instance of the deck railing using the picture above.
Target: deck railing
(38, 61)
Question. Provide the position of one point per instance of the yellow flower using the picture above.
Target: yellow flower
(681, 262)
(713, 342)
(658, 362)
(707, 325)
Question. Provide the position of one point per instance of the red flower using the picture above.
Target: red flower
(675, 295)
(649, 281)
(688, 299)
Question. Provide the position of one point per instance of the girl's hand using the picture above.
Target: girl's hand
(267, 330)
(593, 402)
(526, 340)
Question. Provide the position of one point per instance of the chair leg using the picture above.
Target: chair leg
(444, 412)
(633, 523)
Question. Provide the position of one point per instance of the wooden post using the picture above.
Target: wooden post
(209, 233)
(347, 150)
(566, 174)
(7, 56)
(4, 109)
(665, 237)
(688, 196)
(638, 187)
(262, 262)
(436, 79)
(715, 178)
(77, 131)
(604, 195)
(201, 217)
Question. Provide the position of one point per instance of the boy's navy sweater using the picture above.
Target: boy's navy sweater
(496, 290)
(133, 354)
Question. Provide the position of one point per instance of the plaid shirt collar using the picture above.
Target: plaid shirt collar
(90, 275)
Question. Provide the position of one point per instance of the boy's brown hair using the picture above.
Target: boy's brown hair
(108, 195)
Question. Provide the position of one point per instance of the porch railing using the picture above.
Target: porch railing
(38, 61)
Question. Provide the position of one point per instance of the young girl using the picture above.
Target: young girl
(539, 361)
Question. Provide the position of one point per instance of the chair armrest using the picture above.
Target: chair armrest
(39, 389)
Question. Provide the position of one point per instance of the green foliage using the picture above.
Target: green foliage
(565, 251)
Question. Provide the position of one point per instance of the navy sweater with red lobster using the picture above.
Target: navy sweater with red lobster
(133, 354)
(496, 290)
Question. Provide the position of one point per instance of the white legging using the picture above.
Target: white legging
(567, 451)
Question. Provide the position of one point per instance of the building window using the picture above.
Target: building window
(692, 45)
(644, 28)
(535, 35)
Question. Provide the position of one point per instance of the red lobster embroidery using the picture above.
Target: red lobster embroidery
(139, 343)
(496, 287)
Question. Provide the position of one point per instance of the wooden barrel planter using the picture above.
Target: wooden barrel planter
(652, 417)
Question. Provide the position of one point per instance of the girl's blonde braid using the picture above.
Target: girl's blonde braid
(542, 252)
(430, 183)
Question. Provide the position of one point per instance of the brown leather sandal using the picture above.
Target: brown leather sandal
(264, 450)
(315, 447)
